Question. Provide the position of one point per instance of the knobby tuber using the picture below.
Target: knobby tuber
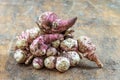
(62, 64)
(20, 56)
(49, 62)
(27, 37)
(50, 23)
(88, 49)
(52, 45)
(51, 51)
(38, 63)
(73, 56)
(69, 44)
(39, 46)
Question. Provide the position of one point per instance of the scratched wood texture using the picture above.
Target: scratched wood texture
(98, 19)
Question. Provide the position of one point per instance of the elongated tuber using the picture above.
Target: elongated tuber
(39, 45)
(50, 23)
(88, 49)
(49, 62)
(62, 64)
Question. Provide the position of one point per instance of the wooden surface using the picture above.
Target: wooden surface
(98, 19)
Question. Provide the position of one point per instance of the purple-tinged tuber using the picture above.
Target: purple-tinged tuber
(49, 22)
(38, 63)
(27, 37)
(39, 45)
(49, 62)
(62, 64)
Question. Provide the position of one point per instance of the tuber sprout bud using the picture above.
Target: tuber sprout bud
(62, 64)
(51, 51)
(20, 56)
(56, 43)
(37, 63)
(49, 62)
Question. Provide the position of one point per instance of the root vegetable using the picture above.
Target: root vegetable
(51, 44)
(62, 64)
(39, 45)
(21, 44)
(50, 23)
(27, 37)
(87, 48)
(20, 56)
(69, 45)
(38, 63)
(51, 51)
(49, 62)
(74, 57)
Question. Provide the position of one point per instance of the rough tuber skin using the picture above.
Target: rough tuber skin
(62, 64)
(74, 57)
(49, 22)
(69, 45)
(27, 37)
(38, 63)
(20, 56)
(39, 46)
(51, 51)
(87, 48)
(49, 62)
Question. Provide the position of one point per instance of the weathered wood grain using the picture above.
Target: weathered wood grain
(98, 19)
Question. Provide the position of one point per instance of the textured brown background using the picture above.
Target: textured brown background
(98, 19)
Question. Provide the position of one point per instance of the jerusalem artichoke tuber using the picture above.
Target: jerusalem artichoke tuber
(38, 63)
(62, 64)
(69, 45)
(20, 56)
(49, 62)
(73, 56)
(27, 37)
(49, 22)
(39, 45)
(51, 51)
(87, 48)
